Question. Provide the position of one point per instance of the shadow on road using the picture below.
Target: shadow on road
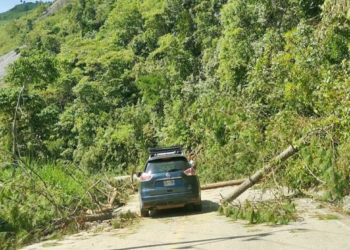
(195, 243)
(207, 207)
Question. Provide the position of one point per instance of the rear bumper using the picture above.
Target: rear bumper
(169, 201)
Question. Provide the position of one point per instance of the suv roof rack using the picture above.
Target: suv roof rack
(164, 151)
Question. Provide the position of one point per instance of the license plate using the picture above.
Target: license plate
(168, 183)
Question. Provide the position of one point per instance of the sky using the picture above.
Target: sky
(6, 5)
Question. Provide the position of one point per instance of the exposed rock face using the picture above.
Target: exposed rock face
(58, 4)
(5, 60)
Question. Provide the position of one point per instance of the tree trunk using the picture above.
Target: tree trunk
(96, 217)
(114, 196)
(222, 184)
(15, 151)
(105, 215)
(291, 150)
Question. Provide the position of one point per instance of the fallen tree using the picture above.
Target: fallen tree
(244, 184)
(265, 170)
(105, 215)
(222, 184)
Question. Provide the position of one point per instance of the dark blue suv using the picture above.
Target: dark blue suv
(168, 181)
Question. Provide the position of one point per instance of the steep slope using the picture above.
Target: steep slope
(57, 5)
(16, 12)
(5, 60)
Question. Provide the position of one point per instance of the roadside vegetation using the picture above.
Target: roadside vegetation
(38, 201)
(235, 81)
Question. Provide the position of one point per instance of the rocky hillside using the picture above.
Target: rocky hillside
(55, 6)
(5, 60)
(12, 56)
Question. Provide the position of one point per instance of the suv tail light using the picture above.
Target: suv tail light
(145, 177)
(190, 171)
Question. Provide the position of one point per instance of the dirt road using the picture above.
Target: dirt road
(180, 229)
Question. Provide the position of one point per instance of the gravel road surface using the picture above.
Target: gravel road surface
(180, 229)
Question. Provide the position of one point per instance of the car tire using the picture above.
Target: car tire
(197, 207)
(144, 213)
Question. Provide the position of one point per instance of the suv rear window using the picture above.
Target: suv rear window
(167, 165)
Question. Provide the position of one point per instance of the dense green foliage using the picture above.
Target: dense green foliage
(235, 81)
(16, 23)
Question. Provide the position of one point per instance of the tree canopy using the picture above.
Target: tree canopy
(235, 81)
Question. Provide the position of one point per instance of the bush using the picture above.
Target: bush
(37, 199)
